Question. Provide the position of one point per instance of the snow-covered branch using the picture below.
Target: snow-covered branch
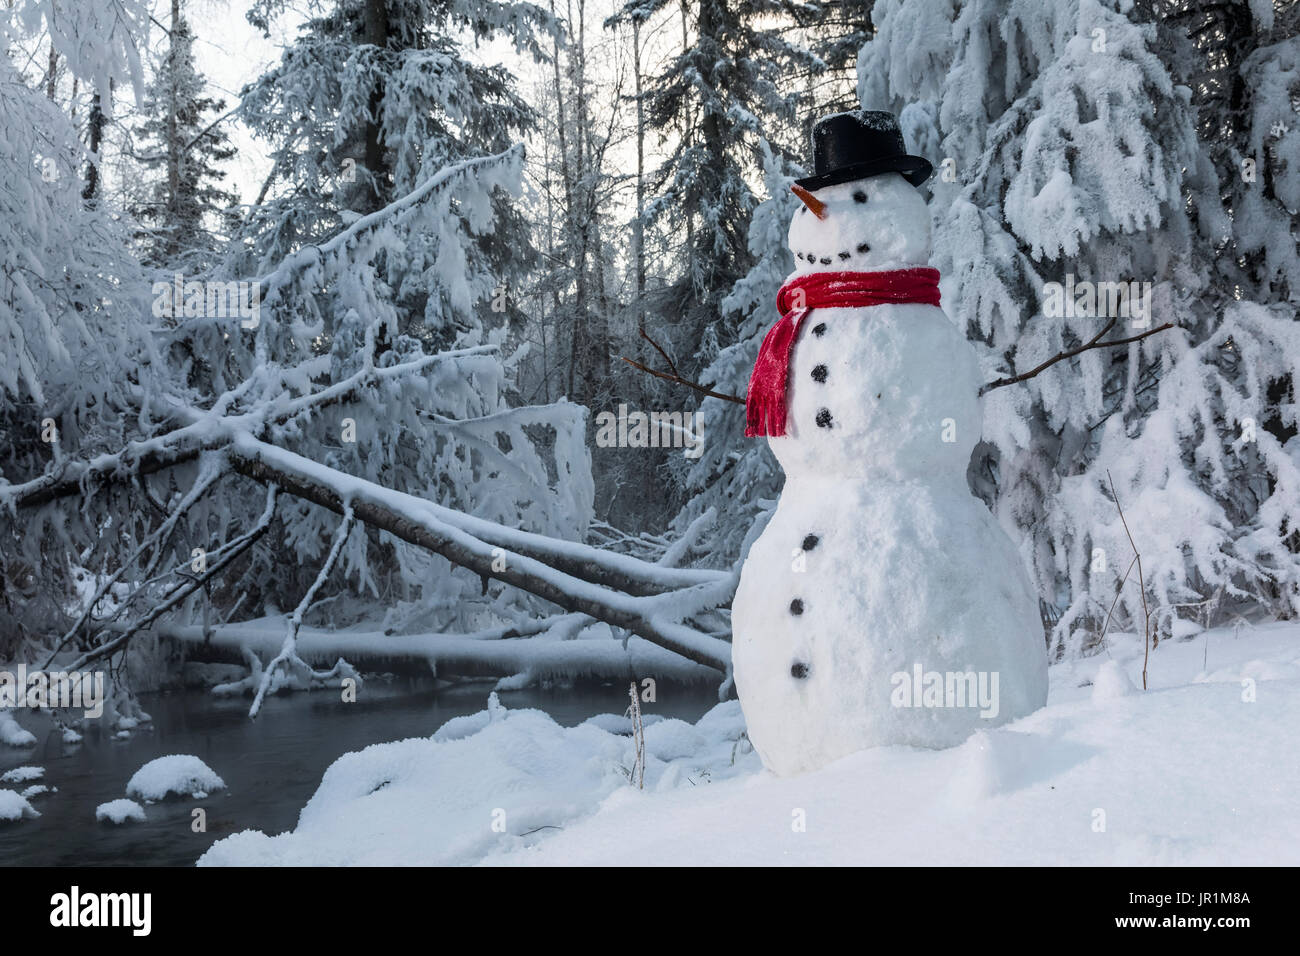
(177, 595)
(288, 656)
(655, 617)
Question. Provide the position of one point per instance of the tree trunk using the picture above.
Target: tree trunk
(171, 244)
(376, 35)
(96, 138)
(638, 228)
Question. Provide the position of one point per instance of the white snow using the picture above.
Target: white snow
(497, 778)
(119, 812)
(180, 774)
(1187, 773)
(12, 734)
(1111, 681)
(14, 806)
(22, 774)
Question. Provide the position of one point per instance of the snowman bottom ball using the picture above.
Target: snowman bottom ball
(872, 612)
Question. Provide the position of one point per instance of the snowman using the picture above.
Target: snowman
(882, 604)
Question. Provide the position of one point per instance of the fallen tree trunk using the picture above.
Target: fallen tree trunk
(444, 653)
(657, 618)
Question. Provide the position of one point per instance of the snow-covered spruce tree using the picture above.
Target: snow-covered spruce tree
(182, 146)
(359, 130)
(373, 97)
(1068, 152)
(714, 103)
(718, 104)
(737, 477)
(1243, 66)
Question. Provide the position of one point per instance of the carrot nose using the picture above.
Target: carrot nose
(812, 202)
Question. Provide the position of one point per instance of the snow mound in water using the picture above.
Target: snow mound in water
(12, 734)
(179, 774)
(119, 812)
(14, 806)
(22, 774)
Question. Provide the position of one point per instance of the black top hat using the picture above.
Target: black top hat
(858, 144)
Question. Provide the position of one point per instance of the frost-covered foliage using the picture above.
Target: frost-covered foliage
(71, 296)
(1068, 133)
(358, 121)
(121, 366)
(453, 436)
(359, 111)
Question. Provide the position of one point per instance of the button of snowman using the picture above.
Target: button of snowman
(906, 616)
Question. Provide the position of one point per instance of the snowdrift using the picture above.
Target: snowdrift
(1200, 769)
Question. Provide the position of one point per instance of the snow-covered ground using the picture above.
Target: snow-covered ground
(1203, 768)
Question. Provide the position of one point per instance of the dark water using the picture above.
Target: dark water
(271, 766)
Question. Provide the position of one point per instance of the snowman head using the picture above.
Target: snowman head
(863, 225)
(860, 211)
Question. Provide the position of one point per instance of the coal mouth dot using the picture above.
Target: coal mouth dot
(810, 542)
(863, 248)
(796, 606)
(798, 670)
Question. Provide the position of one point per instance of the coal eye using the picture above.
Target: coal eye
(859, 196)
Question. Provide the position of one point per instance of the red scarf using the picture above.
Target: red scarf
(765, 401)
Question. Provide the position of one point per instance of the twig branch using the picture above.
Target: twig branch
(672, 366)
(636, 775)
(183, 591)
(1142, 587)
(681, 381)
(157, 540)
(1093, 343)
(672, 375)
(289, 651)
(1118, 591)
